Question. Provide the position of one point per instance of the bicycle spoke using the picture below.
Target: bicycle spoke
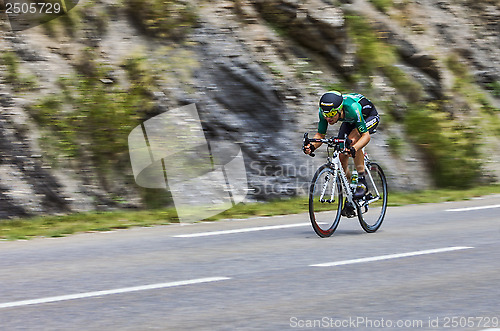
(325, 214)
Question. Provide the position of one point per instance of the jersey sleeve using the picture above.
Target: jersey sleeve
(322, 124)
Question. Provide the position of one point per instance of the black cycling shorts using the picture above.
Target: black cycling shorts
(370, 114)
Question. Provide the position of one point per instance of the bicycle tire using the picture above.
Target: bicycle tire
(321, 219)
(377, 209)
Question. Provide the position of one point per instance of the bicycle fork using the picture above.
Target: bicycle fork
(344, 182)
(325, 187)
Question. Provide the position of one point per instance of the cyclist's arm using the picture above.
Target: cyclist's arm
(362, 141)
(318, 135)
(362, 129)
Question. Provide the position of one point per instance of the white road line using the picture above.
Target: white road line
(391, 256)
(474, 208)
(110, 292)
(260, 228)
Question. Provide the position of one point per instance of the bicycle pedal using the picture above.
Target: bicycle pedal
(349, 213)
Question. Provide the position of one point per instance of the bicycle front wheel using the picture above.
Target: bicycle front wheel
(325, 201)
(374, 204)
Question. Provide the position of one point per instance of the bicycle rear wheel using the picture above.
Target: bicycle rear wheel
(374, 204)
(325, 201)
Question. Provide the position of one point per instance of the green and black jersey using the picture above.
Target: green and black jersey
(354, 113)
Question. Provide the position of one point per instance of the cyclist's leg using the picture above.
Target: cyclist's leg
(370, 114)
(371, 123)
(348, 130)
(359, 158)
(345, 131)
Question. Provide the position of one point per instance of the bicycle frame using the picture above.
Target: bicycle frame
(335, 164)
(333, 161)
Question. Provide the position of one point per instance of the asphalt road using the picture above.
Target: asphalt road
(427, 268)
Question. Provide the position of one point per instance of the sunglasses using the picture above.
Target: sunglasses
(332, 112)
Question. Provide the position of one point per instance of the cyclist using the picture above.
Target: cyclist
(360, 119)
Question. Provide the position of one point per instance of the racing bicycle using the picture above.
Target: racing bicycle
(330, 186)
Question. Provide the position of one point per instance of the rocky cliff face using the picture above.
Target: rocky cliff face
(255, 69)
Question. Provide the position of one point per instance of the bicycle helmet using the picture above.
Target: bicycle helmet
(330, 103)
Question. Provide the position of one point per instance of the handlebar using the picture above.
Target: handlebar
(331, 142)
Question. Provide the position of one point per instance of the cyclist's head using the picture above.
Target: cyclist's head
(331, 103)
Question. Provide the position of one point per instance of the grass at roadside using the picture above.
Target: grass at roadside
(60, 226)
(401, 199)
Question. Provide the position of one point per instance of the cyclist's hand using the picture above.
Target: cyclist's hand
(351, 151)
(309, 149)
